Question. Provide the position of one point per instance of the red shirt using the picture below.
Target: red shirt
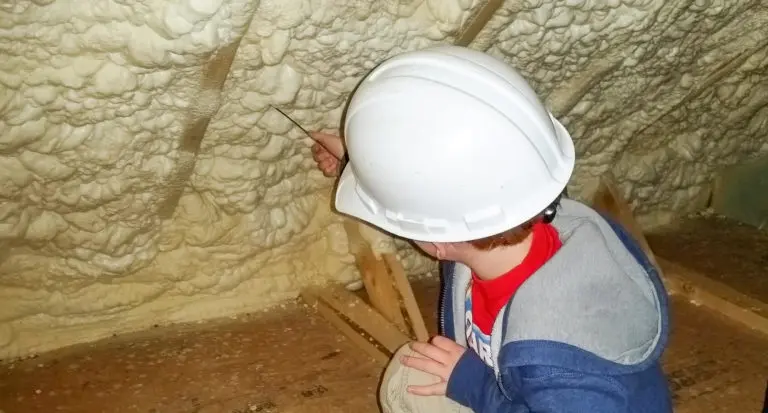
(490, 296)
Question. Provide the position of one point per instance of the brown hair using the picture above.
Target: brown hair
(519, 233)
(506, 238)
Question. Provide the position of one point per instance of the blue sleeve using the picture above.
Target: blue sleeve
(473, 384)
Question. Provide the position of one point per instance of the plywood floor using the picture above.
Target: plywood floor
(292, 361)
(723, 249)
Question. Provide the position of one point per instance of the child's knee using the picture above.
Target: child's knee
(394, 382)
(395, 398)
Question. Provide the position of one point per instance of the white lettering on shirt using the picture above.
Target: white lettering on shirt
(478, 341)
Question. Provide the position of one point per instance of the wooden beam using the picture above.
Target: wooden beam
(476, 22)
(409, 300)
(342, 324)
(608, 200)
(378, 329)
(377, 280)
(716, 296)
(361, 315)
(202, 110)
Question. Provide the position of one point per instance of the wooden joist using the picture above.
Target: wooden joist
(409, 300)
(356, 319)
(378, 328)
(376, 278)
(609, 200)
(202, 110)
(342, 324)
(702, 290)
(477, 22)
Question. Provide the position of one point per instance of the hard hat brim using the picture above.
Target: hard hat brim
(349, 202)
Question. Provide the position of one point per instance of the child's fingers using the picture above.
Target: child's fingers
(429, 350)
(320, 154)
(329, 142)
(328, 160)
(328, 168)
(321, 136)
(318, 149)
(426, 365)
(320, 157)
(446, 344)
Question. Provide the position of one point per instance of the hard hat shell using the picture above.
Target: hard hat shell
(449, 144)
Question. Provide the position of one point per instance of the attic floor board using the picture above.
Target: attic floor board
(292, 361)
(720, 248)
(288, 362)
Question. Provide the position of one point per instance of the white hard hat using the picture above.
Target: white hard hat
(449, 144)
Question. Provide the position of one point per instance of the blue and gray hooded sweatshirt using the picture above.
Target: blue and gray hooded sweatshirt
(584, 334)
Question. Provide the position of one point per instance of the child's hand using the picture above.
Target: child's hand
(327, 151)
(442, 355)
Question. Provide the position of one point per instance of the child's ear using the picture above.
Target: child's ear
(440, 250)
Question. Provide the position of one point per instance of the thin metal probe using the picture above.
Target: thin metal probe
(292, 121)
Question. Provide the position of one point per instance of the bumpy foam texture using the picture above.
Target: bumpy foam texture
(115, 216)
(138, 189)
(661, 92)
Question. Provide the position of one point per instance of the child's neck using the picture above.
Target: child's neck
(489, 265)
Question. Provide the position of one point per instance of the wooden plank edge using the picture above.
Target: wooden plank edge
(377, 281)
(355, 239)
(326, 312)
(409, 299)
(477, 22)
(382, 290)
(363, 316)
(609, 200)
(719, 297)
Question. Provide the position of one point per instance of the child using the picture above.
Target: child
(547, 306)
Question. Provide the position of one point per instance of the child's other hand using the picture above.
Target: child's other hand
(327, 151)
(441, 357)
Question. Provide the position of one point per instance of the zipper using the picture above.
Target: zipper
(497, 352)
(443, 292)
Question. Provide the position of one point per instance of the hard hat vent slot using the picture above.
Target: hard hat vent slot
(431, 226)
